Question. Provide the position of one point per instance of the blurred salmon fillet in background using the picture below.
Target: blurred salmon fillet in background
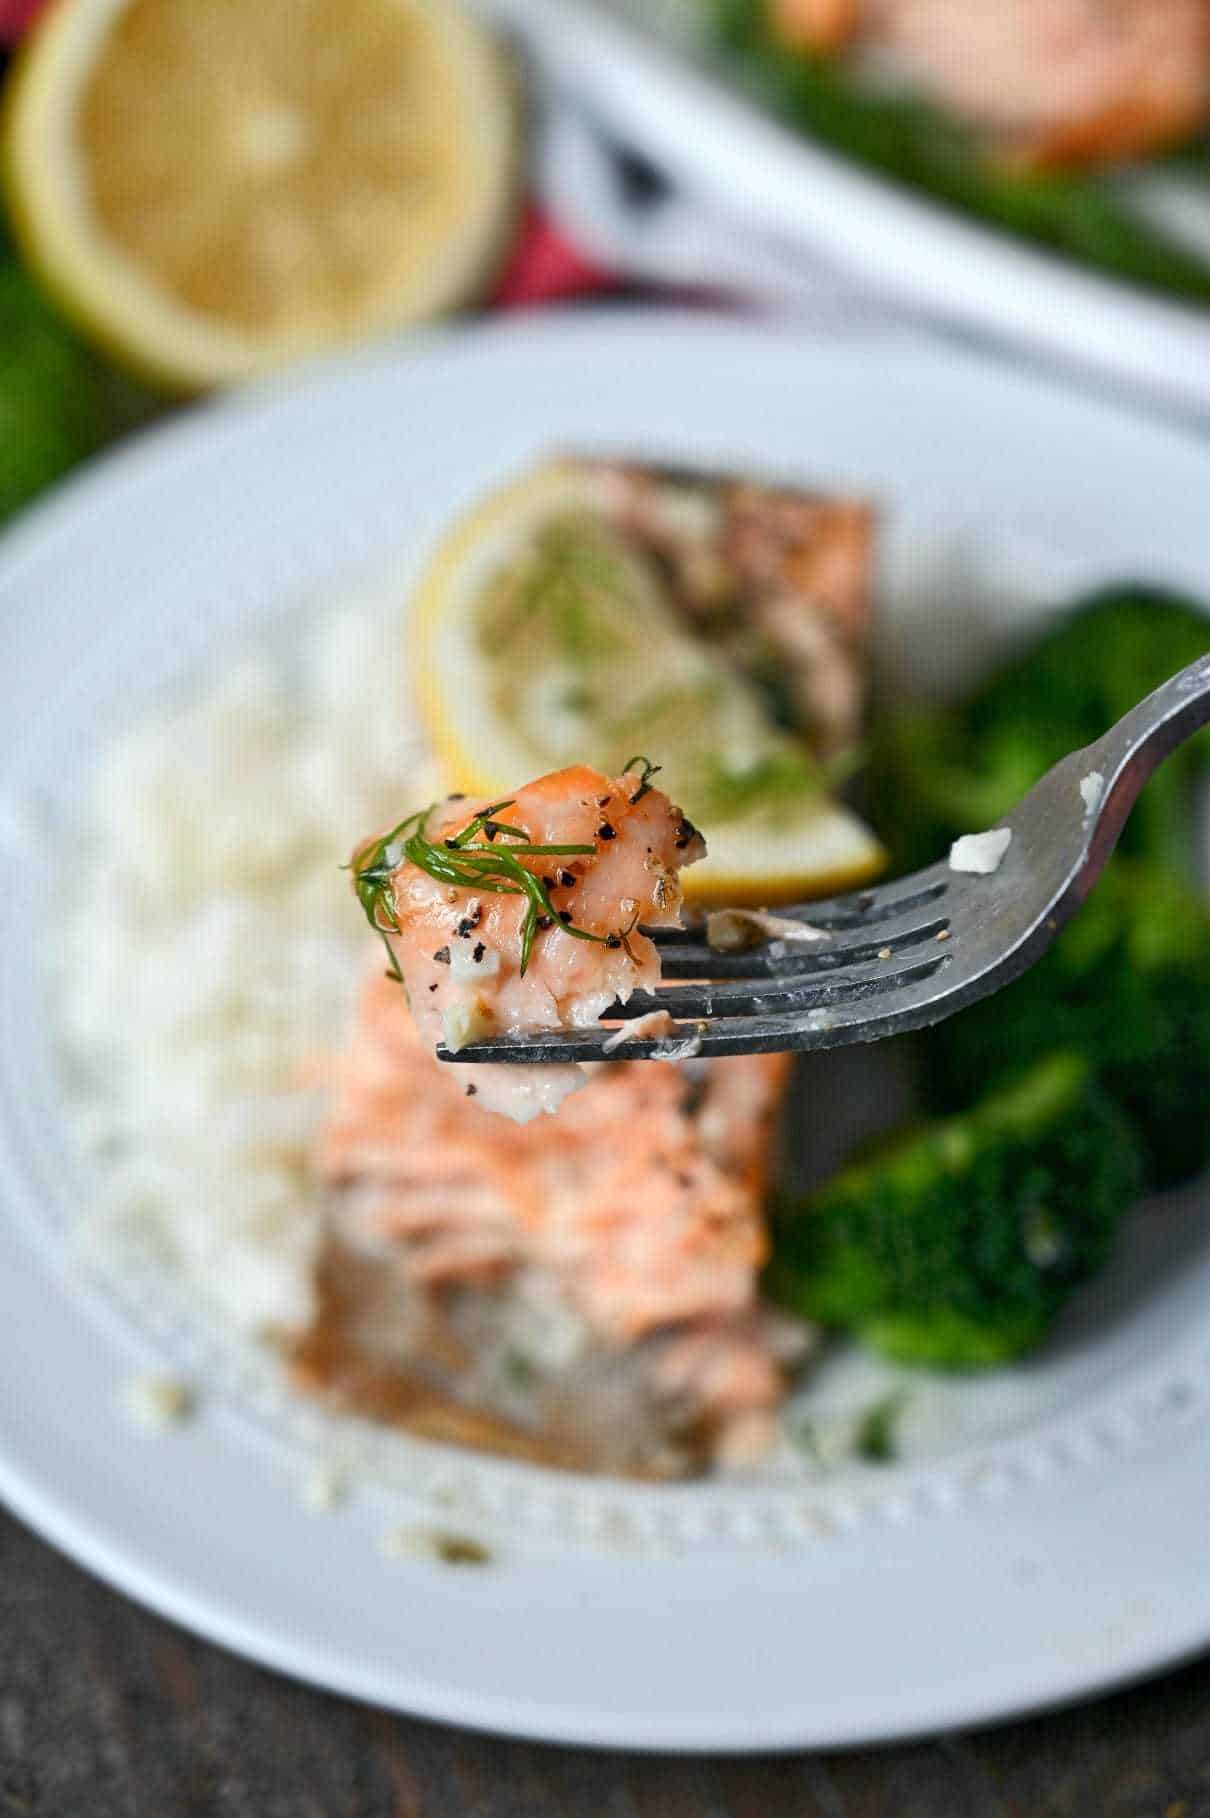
(1052, 82)
(581, 1289)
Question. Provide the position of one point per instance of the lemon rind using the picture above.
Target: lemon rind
(125, 312)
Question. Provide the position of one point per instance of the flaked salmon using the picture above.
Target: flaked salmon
(626, 1234)
(777, 577)
(512, 916)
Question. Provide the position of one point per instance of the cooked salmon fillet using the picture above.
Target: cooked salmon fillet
(778, 577)
(508, 917)
(1053, 82)
(624, 1234)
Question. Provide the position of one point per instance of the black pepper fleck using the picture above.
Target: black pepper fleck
(606, 832)
(567, 879)
(442, 956)
(564, 915)
(613, 940)
(434, 985)
(544, 922)
(469, 923)
(471, 1091)
(479, 951)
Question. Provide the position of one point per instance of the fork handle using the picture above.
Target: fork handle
(1129, 752)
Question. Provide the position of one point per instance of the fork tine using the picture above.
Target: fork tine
(776, 997)
(1002, 917)
(916, 890)
(856, 908)
(743, 1021)
(819, 1026)
(771, 996)
(782, 959)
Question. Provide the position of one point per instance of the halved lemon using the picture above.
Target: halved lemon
(212, 187)
(541, 637)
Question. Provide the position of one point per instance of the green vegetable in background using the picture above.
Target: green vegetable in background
(1072, 212)
(1090, 669)
(938, 772)
(877, 1436)
(1128, 985)
(52, 407)
(957, 1244)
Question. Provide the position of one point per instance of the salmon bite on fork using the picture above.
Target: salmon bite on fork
(527, 915)
(912, 952)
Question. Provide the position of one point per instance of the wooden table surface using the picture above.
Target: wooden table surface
(107, 1712)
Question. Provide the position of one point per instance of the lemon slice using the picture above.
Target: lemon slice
(211, 187)
(542, 638)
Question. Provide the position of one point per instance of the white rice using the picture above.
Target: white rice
(214, 947)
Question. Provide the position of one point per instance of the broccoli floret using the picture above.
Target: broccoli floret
(1097, 662)
(956, 1244)
(1127, 984)
(1091, 665)
(937, 773)
(51, 403)
(924, 785)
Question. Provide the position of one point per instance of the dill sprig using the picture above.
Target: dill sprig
(373, 868)
(485, 856)
(648, 770)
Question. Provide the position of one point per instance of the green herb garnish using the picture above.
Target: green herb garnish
(570, 582)
(372, 872)
(460, 1550)
(783, 775)
(876, 1438)
(485, 855)
(648, 770)
(519, 1369)
(804, 1434)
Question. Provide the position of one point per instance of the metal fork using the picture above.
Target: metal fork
(911, 952)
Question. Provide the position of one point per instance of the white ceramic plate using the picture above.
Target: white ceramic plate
(621, 57)
(1045, 1534)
